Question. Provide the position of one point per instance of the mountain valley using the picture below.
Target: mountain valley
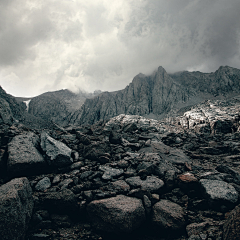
(158, 160)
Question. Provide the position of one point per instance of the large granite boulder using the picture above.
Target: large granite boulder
(24, 158)
(168, 216)
(219, 193)
(116, 214)
(16, 205)
(58, 154)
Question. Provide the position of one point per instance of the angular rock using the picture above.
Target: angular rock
(196, 228)
(231, 228)
(115, 138)
(58, 154)
(43, 184)
(121, 186)
(116, 214)
(24, 158)
(168, 216)
(16, 205)
(62, 202)
(110, 173)
(152, 183)
(219, 192)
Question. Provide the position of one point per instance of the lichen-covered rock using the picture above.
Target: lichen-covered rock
(24, 158)
(16, 205)
(116, 214)
(58, 154)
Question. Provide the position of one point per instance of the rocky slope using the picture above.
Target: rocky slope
(161, 93)
(57, 106)
(126, 178)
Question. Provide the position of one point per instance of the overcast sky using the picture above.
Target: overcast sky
(47, 45)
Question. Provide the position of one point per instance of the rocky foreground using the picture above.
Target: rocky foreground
(126, 178)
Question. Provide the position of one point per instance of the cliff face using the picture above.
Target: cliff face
(159, 94)
(57, 106)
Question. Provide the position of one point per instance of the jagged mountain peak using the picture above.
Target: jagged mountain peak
(159, 93)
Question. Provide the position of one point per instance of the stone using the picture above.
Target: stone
(163, 167)
(40, 236)
(43, 184)
(152, 183)
(231, 228)
(219, 192)
(23, 156)
(16, 206)
(168, 216)
(116, 214)
(121, 186)
(115, 138)
(110, 173)
(62, 202)
(6, 116)
(196, 228)
(58, 154)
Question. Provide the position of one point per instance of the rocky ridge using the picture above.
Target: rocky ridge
(129, 177)
(57, 106)
(159, 94)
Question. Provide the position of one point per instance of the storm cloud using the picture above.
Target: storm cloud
(102, 44)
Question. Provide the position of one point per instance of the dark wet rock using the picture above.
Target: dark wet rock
(231, 228)
(110, 173)
(62, 202)
(219, 193)
(58, 154)
(24, 158)
(168, 216)
(152, 183)
(117, 214)
(43, 184)
(16, 205)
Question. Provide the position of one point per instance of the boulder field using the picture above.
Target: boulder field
(125, 178)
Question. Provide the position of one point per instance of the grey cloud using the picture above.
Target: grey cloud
(20, 31)
(101, 44)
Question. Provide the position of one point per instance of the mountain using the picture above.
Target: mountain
(12, 110)
(56, 106)
(159, 94)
